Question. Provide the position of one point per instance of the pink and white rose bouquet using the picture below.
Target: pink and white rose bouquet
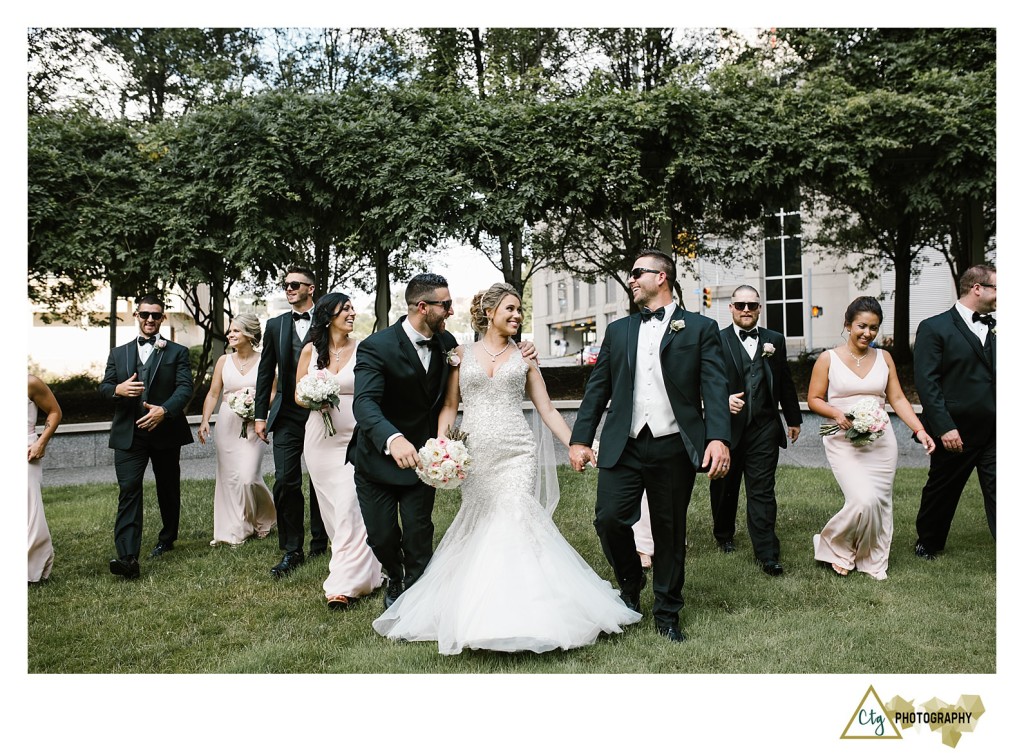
(243, 404)
(869, 420)
(445, 463)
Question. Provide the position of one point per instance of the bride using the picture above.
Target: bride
(503, 578)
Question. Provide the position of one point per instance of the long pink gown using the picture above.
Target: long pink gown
(40, 546)
(354, 571)
(859, 535)
(242, 503)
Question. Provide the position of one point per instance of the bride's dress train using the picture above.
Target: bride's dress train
(503, 578)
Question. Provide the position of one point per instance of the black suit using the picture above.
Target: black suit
(167, 376)
(395, 395)
(692, 369)
(757, 435)
(287, 420)
(955, 377)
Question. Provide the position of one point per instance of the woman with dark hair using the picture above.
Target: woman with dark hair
(354, 571)
(242, 503)
(40, 546)
(859, 535)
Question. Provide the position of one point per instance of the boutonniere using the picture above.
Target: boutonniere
(768, 350)
(160, 343)
(677, 324)
(453, 358)
(993, 330)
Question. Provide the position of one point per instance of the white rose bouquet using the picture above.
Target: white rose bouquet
(243, 404)
(869, 421)
(320, 390)
(445, 463)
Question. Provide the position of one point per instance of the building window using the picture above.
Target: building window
(549, 300)
(575, 294)
(611, 290)
(563, 302)
(783, 274)
(591, 294)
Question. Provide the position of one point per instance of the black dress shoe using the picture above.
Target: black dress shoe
(672, 632)
(771, 567)
(161, 549)
(727, 547)
(126, 567)
(923, 553)
(393, 591)
(630, 594)
(314, 553)
(289, 562)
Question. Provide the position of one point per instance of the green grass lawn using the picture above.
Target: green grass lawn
(205, 610)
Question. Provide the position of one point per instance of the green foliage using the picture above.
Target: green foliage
(204, 610)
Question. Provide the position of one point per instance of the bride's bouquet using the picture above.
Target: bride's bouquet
(320, 390)
(445, 460)
(243, 404)
(869, 421)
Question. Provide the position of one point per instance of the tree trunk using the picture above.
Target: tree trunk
(113, 316)
(382, 305)
(904, 258)
(478, 57)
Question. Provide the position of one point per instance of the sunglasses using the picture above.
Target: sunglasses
(294, 285)
(746, 305)
(637, 272)
(446, 305)
(146, 315)
(987, 285)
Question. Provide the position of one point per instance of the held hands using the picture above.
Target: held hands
(404, 453)
(736, 403)
(130, 387)
(580, 455)
(716, 459)
(952, 442)
(260, 428)
(155, 417)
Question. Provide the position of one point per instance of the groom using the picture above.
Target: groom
(400, 378)
(149, 381)
(656, 367)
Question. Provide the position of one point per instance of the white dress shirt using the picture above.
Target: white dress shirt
(978, 328)
(302, 325)
(749, 344)
(415, 338)
(145, 351)
(651, 405)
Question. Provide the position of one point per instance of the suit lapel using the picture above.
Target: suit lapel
(968, 334)
(677, 314)
(762, 338)
(285, 340)
(632, 340)
(736, 350)
(408, 351)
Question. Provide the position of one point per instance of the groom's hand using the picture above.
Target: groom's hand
(527, 350)
(580, 455)
(404, 453)
(716, 459)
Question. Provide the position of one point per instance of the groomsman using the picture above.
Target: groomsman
(955, 374)
(150, 382)
(400, 378)
(282, 342)
(664, 373)
(759, 379)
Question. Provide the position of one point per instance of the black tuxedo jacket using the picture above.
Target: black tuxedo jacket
(391, 397)
(278, 355)
(777, 374)
(168, 382)
(694, 370)
(955, 379)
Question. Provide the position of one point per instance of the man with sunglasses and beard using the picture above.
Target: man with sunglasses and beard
(759, 379)
(283, 340)
(150, 382)
(663, 371)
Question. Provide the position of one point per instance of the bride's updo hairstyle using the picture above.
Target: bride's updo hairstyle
(488, 299)
(250, 326)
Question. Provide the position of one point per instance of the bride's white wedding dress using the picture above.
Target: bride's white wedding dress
(503, 578)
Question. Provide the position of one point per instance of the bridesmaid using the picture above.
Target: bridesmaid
(859, 535)
(242, 504)
(354, 571)
(40, 546)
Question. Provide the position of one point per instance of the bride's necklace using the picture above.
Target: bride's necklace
(854, 357)
(337, 353)
(494, 356)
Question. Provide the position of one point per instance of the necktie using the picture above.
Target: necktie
(147, 340)
(427, 343)
(987, 319)
(745, 333)
(646, 314)
(303, 315)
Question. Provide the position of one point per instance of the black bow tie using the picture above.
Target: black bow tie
(428, 343)
(745, 333)
(987, 319)
(147, 340)
(303, 315)
(646, 314)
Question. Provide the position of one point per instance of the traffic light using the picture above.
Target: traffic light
(817, 311)
(707, 298)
